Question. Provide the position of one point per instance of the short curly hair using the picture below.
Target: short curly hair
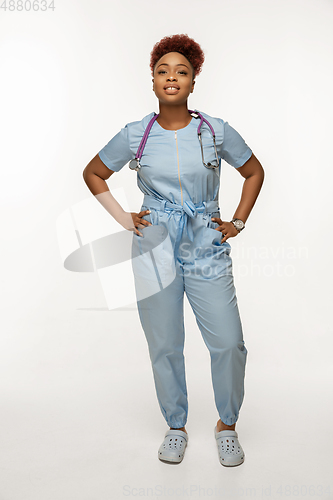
(182, 44)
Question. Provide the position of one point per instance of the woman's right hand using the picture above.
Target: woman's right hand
(138, 220)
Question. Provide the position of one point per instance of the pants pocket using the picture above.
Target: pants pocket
(152, 259)
(214, 236)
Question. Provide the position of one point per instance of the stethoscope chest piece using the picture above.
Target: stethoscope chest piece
(135, 164)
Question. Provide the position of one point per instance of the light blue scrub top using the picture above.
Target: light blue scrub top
(171, 164)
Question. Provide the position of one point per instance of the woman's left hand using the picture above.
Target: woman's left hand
(227, 229)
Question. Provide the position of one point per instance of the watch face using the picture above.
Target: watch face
(239, 224)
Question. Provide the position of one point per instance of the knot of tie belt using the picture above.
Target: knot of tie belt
(188, 209)
(192, 211)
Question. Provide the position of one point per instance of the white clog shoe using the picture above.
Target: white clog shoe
(230, 451)
(173, 447)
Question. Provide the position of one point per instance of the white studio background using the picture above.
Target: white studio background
(79, 415)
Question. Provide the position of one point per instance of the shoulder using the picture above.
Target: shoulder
(135, 131)
(211, 119)
(216, 123)
(139, 126)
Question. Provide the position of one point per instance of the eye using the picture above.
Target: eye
(162, 71)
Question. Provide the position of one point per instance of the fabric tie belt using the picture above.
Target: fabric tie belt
(188, 209)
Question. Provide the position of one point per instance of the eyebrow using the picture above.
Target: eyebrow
(165, 64)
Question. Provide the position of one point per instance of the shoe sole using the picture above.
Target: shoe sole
(172, 462)
(233, 465)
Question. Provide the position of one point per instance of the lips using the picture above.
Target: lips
(171, 89)
(171, 85)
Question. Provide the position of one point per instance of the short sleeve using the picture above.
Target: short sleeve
(116, 153)
(234, 149)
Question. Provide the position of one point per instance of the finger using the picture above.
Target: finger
(217, 219)
(134, 229)
(145, 222)
(226, 236)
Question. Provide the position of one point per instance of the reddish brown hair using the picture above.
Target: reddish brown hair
(182, 44)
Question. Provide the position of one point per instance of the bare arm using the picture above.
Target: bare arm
(254, 175)
(95, 175)
(254, 178)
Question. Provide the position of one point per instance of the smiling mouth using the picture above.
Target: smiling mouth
(171, 89)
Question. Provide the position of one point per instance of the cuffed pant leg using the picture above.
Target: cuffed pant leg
(162, 319)
(214, 304)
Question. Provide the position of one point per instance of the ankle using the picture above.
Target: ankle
(179, 429)
(222, 426)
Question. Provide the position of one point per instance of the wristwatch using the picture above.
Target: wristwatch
(239, 224)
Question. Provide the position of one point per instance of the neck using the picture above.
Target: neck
(173, 115)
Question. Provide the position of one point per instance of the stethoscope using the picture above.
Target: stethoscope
(135, 163)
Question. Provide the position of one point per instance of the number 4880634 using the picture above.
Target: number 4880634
(27, 5)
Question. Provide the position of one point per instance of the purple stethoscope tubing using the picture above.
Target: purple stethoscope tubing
(135, 163)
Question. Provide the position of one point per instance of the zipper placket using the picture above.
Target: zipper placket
(181, 190)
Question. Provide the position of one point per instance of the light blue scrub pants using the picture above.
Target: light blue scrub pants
(204, 272)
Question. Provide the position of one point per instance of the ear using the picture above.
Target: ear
(193, 83)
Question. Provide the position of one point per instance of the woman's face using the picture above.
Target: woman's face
(173, 70)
